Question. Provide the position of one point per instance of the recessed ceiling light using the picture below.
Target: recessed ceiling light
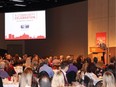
(1, 6)
(18, 0)
(22, 5)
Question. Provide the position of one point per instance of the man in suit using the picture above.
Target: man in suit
(104, 47)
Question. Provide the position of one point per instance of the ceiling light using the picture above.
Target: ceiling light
(1, 6)
(22, 5)
(18, 0)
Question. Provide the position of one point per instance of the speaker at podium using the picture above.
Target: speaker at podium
(98, 52)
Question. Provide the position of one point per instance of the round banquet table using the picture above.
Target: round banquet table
(11, 85)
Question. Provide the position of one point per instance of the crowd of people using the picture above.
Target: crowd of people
(58, 71)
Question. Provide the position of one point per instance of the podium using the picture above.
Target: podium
(97, 52)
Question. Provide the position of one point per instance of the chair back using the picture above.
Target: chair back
(1, 83)
(71, 77)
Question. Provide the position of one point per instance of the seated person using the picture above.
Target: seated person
(3, 73)
(90, 74)
(108, 79)
(44, 80)
(71, 72)
(27, 79)
(58, 79)
(46, 68)
(63, 68)
(112, 66)
(9, 68)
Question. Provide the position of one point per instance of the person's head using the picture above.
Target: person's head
(61, 57)
(113, 59)
(28, 62)
(28, 70)
(44, 61)
(80, 58)
(87, 60)
(24, 56)
(2, 65)
(91, 68)
(108, 79)
(95, 59)
(70, 60)
(8, 57)
(100, 40)
(64, 65)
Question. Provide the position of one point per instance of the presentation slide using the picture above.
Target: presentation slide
(25, 25)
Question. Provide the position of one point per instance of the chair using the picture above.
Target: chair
(88, 82)
(99, 84)
(1, 83)
(71, 77)
(42, 74)
(44, 80)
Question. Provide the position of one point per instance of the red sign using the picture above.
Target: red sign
(100, 38)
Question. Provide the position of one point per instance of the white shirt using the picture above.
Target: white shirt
(93, 77)
(64, 73)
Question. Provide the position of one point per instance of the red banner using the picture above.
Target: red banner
(100, 38)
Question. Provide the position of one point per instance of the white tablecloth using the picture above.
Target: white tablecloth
(7, 83)
(11, 85)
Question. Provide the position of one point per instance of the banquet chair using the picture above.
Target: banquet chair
(1, 83)
(88, 82)
(44, 79)
(42, 74)
(99, 84)
(71, 77)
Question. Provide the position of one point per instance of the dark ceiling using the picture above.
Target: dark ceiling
(29, 5)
